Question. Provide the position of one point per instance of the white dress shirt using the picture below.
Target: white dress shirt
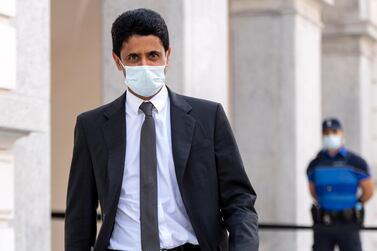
(174, 225)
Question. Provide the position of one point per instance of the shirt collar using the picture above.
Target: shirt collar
(342, 152)
(159, 101)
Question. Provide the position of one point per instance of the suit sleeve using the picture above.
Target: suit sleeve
(82, 198)
(237, 195)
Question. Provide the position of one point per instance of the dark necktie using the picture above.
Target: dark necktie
(148, 182)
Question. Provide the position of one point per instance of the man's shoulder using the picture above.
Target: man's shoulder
(98, 112)
(354, 156)
(199, 101)
(357, 161)
(197, 104)
(318, 157)
(92, 113)
(314, 162)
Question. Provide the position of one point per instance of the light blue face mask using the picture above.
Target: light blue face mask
(145, 80)
(332, 142)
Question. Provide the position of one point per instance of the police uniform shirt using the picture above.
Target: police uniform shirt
(337, 178)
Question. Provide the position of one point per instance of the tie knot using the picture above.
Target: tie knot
(147, 107)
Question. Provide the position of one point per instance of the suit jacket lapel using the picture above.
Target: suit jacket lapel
(182, 129)
(114, 130)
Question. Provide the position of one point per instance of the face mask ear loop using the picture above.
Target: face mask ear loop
(165, 65)
(124, 67)
(166, 61)
(120, 61)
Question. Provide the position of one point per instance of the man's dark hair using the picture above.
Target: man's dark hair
(138, 22)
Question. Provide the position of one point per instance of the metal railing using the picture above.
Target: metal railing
(262, 226)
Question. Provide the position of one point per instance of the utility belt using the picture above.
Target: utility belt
(353, 215)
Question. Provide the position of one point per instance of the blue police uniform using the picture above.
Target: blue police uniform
(336, 181)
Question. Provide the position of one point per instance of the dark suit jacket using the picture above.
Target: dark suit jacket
(214, 187)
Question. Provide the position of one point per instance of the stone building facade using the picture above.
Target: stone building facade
(277, 66)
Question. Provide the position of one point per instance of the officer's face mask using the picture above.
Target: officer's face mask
(332, 142)
(144, 80)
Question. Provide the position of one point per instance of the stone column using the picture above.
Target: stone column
(24, 125)
(8, 45)
(7, 189)
(276, 51)
(7, 201)
(348, 86)
(199, 41)
(7, 138)
(349, 39)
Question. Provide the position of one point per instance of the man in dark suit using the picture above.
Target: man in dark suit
(164, 167)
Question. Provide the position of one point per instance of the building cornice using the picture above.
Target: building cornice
(360, 29)
(307, 9)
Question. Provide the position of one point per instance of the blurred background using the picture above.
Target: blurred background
(277, 66)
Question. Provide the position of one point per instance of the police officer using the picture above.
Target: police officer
(340, 184)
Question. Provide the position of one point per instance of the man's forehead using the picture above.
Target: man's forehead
(332, 130)
(139, 42)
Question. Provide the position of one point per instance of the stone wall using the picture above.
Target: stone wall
(24, 125)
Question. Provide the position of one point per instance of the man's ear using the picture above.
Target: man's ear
(117, 61)
(168, 56)
(340, 133)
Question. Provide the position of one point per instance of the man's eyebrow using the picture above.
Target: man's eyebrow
(156, 50)
(132, 53)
